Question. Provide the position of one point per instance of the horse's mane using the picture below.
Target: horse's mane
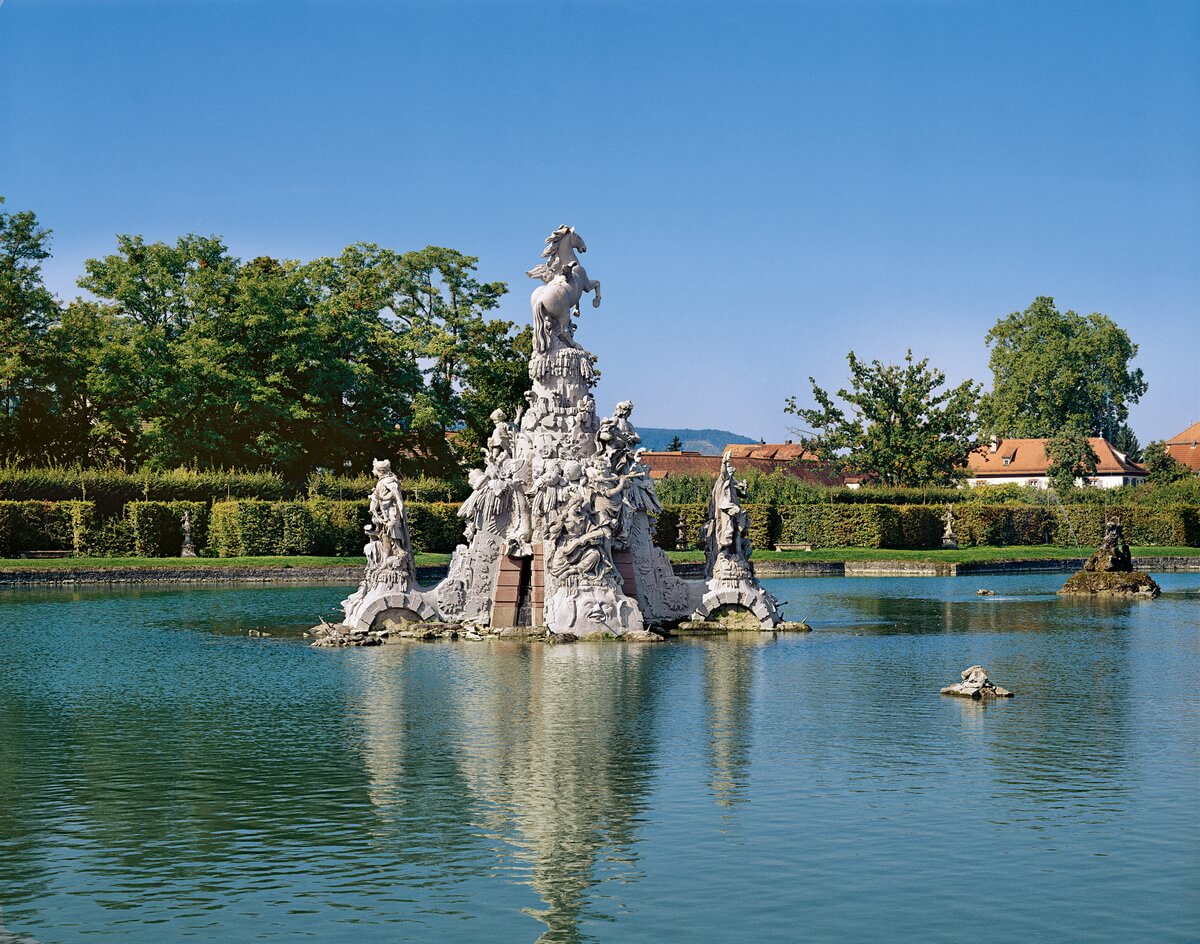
(552, 240)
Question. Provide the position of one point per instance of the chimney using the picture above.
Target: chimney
(995, 444)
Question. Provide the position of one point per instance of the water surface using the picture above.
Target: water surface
(164, 777)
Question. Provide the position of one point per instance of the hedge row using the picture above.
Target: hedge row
(236, 528)
(111, 490)
(321, 526)
(921, 526)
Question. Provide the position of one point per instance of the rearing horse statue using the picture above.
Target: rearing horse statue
(566, 282)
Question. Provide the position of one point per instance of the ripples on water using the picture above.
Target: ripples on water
(164, 777)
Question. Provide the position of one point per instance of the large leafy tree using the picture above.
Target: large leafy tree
(27, 310)
(1055, 371)
(1163, 467)
(899, 425)
(188, 356)
(1071, 457)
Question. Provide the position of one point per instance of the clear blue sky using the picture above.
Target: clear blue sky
(762, 187)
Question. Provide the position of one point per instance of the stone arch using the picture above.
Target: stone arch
(403, 601)
(741, 598)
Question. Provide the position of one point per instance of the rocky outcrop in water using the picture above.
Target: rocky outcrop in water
(1109, 571)
(976, 684)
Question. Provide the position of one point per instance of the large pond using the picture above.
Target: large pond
(164, 776)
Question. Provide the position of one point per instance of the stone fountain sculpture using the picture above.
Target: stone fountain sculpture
(1109, 571)
(558, 530)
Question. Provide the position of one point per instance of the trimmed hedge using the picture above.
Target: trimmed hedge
(252, 528)
(42, 526)
(156, 527)
(111, 489)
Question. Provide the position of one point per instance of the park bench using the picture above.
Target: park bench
(793, 547)
(39, 555)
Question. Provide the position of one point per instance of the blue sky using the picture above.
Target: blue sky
(763, 187)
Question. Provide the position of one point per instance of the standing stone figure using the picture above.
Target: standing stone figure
(388, 525)
(949, 540)
(617, 439)
(189, 549)
(727, 531)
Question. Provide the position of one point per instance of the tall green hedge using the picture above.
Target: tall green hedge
(42, 526)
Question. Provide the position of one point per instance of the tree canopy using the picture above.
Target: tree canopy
(1071, 457)
(902, 428)
(185, 355)
(1057, 370)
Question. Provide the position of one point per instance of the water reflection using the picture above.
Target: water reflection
(729, 670)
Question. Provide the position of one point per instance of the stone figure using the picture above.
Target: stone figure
(500, 442)
(617, 439)
(189, 549)
(949, 540)
(727, 531)
(387, 515)
(976, 684)
(565, 282)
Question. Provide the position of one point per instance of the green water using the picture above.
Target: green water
(164, 777)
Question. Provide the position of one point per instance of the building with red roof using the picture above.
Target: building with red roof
(1185, 448)
(1024, 462)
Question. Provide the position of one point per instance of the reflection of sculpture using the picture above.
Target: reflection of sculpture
(566, 280)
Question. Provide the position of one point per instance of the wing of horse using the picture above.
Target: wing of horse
(542, 272)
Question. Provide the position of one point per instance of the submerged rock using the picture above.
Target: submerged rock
(976, 684)
(985, 593)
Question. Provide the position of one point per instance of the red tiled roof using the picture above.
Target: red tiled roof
(1185, 447)
(780, 452)
(804, 467)
(1028, 457)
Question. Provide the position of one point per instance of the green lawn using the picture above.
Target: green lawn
(961, 556)
(965, 555)
(125, 563)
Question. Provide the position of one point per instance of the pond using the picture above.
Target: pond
(166, 777)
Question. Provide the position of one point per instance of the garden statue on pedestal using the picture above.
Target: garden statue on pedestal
(949, 539)
(189, 549)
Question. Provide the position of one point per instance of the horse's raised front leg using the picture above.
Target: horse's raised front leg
(594, 286)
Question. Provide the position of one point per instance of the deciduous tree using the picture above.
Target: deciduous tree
(900, 426)
(1054, 371)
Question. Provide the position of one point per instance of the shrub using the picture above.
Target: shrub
(338, 526)
(434, 527)
(840, 525)
(920, 525)
(43, 526)
(246, 527)
(692, 515)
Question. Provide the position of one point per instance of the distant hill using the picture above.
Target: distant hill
(708, 442)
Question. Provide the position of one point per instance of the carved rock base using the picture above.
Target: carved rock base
(592, 611)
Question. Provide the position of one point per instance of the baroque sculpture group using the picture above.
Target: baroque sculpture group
(558, 525)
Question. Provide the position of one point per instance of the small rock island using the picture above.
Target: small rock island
(1109, 571)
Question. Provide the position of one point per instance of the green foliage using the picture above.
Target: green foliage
(185, 355)
(920, 525)
(902, 430)
(1164, 468)
(675, 445)
(251, 528)
(1126, 441)
(1071, 457)
(691, 514)
(840, 525)
(1054, 371)
(156, 526)
(27, 309)
(43, 526)
(338, 526)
